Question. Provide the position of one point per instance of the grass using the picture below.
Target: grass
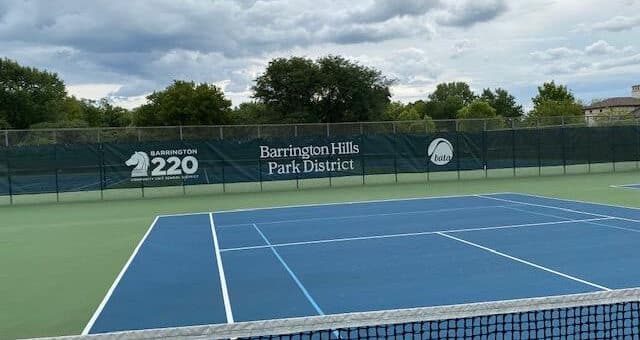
(59, 259)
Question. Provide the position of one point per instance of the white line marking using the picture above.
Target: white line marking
(493, 251)
(567, 200)
(559, 208)
(364, 216)
(626, 186)
(223, 280)
(332, 204)
(592, 222)
(106, 298)
(290, 271)
(373, 237)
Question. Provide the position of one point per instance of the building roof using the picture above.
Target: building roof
(615, 102)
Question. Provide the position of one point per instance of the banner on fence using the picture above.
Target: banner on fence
(101, 166)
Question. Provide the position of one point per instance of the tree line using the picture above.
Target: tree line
(329, 89)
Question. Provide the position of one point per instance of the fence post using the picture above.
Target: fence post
(6, 138)
(328, 133)
(485, 153)
(221, 133)
(589, 150)
(9, 177)
(55, 161)
(513, 150)
(139, 132)
(539, 144)
(103, 175)
(564, 148)
(181, 136)
(459, 152)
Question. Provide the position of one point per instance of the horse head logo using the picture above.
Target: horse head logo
(141, 162)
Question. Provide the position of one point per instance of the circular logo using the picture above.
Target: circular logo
(440, 151)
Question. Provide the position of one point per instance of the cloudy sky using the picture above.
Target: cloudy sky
(126, 49)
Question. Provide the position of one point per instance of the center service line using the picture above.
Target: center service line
(223, 280)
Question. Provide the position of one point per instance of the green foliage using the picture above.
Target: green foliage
(555, 100)
(256, 113)
(331, 89)
(399, 111)
(29, 96)
(503, 102)
(448, 99)
(62, 124)
(96, 113)
(4, 124)
(473, 117)
(185, 103)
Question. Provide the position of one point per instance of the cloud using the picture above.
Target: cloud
(466, 13)
(619, 62)
(598, 48)
(462, 46)
(602, 47)
(383, 10)
(555, 53)
(615, 24)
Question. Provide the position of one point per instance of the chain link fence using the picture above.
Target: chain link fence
(245, 132)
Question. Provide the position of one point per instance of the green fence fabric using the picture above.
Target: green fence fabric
(84, 166)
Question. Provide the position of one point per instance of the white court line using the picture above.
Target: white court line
(413, 234)
(593, 222)
(566, 200)
(364, 216)
(559, 208)
(331, 204)
(223, 279)
(493, 251)
(626, 186)
(106, 298)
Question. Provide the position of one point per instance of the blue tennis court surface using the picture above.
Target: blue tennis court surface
(311, 260)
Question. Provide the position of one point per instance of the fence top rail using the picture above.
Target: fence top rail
(436, 121)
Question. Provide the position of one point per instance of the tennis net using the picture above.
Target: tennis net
(600, 315)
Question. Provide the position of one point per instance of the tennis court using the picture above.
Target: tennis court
(276, 263)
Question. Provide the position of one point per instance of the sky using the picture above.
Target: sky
(125, 50)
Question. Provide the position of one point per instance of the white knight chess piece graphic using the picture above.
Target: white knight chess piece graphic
(141, 162)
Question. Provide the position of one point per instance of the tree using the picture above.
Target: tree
(503, 102)
(289, 89)
(483, 115)
(28, 95)
(398, 111)
(185, 103)
(448, 99)
(252, 113)
(555, 100)
(331, 89)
